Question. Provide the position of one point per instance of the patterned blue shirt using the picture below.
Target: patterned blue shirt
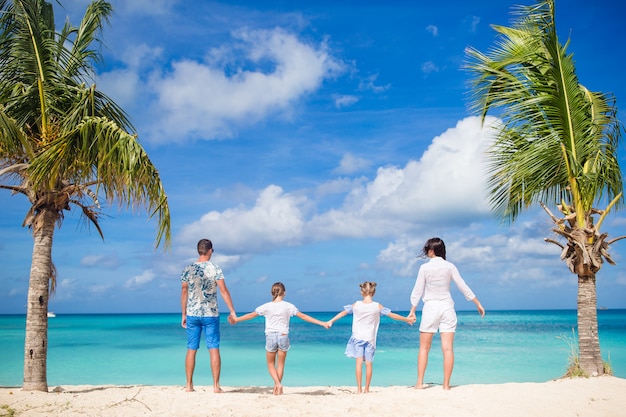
(201, 279)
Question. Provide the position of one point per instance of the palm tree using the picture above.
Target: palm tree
(557, 145)
(63, 143)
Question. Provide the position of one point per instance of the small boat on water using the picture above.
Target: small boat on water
(51, 314)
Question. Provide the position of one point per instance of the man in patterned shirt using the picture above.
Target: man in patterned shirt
(200, 282)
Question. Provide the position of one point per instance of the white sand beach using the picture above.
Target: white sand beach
(592, 397)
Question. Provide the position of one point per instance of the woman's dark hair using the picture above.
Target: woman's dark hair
(437, 246)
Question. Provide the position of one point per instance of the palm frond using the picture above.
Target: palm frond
(559, 140)
(66, 130)
(99, 150)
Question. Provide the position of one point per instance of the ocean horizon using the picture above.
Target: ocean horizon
(149, 349)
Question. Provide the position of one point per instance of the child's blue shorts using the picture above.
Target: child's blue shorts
(360, 349)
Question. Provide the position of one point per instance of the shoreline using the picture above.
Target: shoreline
(590, 397)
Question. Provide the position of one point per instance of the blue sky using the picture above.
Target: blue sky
(317, 143)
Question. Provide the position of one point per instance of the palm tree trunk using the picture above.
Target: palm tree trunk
(36, 341)
(590, 357)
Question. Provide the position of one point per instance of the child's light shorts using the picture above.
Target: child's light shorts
(360, 349)
(438, 315)
(277, 341)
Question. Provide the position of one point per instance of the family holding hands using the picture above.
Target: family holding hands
(201, 280)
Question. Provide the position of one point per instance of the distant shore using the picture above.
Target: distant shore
(589, 397)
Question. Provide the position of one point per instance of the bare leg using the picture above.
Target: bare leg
(216, 366)
(190, 364)
(368, 375)
(271, 368)
(426, 340)
(359, 374)
(447, 341)
(280, 368)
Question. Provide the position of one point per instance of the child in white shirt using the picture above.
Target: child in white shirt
(277, 314)
(365, 322)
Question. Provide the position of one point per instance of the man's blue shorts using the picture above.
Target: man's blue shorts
(211, 327)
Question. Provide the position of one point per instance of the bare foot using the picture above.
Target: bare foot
(217, 389)
(420, 386)
(447, 388)
(189, 389)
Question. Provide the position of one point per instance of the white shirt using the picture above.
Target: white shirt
(433, 282)
(365, 320)
(277, 316)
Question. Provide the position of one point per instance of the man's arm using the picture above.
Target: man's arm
(226, 297)
(184, 293)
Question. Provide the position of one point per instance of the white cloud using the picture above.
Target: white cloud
(125, 84)
(445, 186)
(345, 101)
(475, 21)
(261, 73)
(100, 289)
(369, 84)
(433, 30)
(350, 164)
(141, 279)
(337, 186)
(429, 67)
(106, 261)
(500, 259)
(401, 256)
(15, 291)
(66, 289)
(277, 218)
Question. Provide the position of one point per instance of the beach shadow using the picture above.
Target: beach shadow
(427, 385)
(270, 391)
(252, 390)
(315, 393)
(92, 389)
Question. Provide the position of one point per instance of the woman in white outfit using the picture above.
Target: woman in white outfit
(433, 287)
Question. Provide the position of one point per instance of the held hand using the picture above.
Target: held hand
(329, 324)
(232, 319)
(326, 325)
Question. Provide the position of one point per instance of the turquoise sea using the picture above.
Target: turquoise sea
(149, 349)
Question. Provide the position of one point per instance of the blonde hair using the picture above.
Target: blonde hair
(368, 288)
(278, 290)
